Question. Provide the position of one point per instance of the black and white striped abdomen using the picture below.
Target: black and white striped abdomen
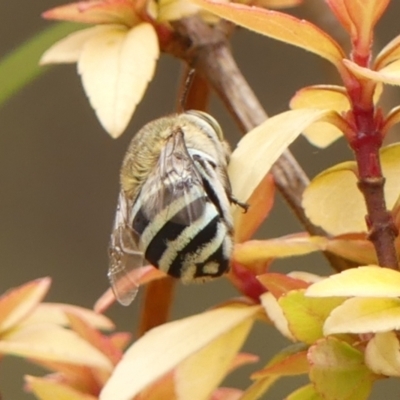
(199, 249)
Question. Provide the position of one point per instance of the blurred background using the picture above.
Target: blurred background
(59, 177)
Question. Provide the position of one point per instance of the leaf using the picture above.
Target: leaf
(364, 315)
(260, 204)
(367, 281)
(353, 247)
(279, 3)
(260, 148)
(382, 354)
(278, 26)
(390, 53)
(198, 376)
(365, 14)
(275, 314)
(338, 370)
(20, 67)
(294, 364)
(306, 315)
(17, 303)
(254, 251)
(69, 48)
(172, 10)
(392, 118)
(306, 392)
(279, 284)
(96, 12)
(339, 8)
(322, 97)
(51, 342)
(95, 338)
(390, 74)
(263, 384)
(333, 201)
(46, 389)
(165, 347)
(124, 62)
(55, 313)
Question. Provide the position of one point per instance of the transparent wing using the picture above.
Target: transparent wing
(124, 255)
(174, 191)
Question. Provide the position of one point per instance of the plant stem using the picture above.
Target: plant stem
(366, 143)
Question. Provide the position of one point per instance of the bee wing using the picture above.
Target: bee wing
(174, 191)
(124, 255)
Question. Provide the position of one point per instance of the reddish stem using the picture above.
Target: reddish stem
(366, 143)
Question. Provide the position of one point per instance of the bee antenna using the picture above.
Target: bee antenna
(186, 87)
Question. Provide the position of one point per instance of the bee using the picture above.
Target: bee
(174, 204)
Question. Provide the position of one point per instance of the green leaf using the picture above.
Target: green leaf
(21, 66)
(306, 315)
(338, 370)
(306, 392)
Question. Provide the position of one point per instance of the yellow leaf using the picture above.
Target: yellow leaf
(261, 147)
(390, 53)
(278, 26)
(368, 281)
(364, 315)
(355, 248)
(69, 49)
(322, 97)
(55, 313)
(322, 134)
(198, 376)
(390, 74)
(333, 201)
(382, 354)
(392, 118)
(116, 66)
(165, 347)
(254, 251)
(171, 10)
(51, 342)
(17, 303)
(46, 389)
(306, 392)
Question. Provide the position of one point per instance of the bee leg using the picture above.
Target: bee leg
(243, 206)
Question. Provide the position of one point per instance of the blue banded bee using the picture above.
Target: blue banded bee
(174, 203)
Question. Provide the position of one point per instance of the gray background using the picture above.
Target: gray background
(59, 178)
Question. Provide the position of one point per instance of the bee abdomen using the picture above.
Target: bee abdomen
(199, 250)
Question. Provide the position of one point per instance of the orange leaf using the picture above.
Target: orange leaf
(95, 338)
(339, 8)
(260, 204)
(96, 12)
(17, 303)
(279, 284)
(278, 26)
(365, 14)
(294, 364)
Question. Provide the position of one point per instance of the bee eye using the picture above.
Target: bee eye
(209, 120)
